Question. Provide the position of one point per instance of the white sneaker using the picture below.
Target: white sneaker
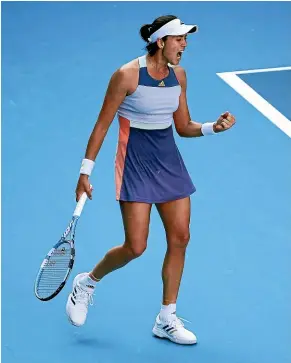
(78, 301)
(173, 329)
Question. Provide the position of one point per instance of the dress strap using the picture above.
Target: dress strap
(142, 61)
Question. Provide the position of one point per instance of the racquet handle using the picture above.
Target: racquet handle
(80, 204)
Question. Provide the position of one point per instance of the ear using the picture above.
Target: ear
(160, 43)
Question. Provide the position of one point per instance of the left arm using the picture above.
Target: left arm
(185, 127)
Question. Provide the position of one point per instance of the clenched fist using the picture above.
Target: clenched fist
(225, 122)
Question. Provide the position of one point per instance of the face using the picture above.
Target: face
(174, 47)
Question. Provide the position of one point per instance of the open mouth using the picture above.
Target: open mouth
(179, 54)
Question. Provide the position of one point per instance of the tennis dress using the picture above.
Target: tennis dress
(148, 164)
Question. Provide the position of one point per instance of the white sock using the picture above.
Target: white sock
(167, 310)
(88, 283)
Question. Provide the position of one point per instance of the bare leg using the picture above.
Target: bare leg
(136, 218)
(176, 219)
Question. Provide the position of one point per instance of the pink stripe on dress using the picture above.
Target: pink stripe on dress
(124, 128)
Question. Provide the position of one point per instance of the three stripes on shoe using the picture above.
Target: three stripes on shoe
(74, 296)
(169, 330)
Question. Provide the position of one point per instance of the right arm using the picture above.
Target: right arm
(115, 94)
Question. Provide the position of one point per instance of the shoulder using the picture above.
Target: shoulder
(126, 73)
(129, 69)
(130, 66)
(180, 74)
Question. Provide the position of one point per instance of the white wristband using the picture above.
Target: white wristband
(87, 166)
(207, 128)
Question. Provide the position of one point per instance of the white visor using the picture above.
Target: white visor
(173, 27)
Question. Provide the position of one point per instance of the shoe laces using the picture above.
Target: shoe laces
(84, 297)
(177, 322)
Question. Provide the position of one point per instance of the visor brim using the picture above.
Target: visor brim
(184, 29)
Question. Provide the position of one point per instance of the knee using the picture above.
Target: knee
(136, 249)
(179, 239)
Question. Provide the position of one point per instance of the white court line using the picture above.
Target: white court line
(248, 93)
(263, 70)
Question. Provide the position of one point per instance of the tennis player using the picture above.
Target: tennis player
(149, 96)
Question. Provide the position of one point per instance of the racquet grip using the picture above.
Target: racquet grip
(80, 204)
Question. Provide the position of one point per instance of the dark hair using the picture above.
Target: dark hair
(148, 29)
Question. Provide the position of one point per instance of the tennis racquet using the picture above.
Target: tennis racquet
(58, 263)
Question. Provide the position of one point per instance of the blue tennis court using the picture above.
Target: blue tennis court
(57, 59)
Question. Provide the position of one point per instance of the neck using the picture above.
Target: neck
(158, 62)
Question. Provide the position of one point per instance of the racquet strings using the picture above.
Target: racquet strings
(54, 271)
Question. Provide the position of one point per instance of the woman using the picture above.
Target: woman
(148, 94)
